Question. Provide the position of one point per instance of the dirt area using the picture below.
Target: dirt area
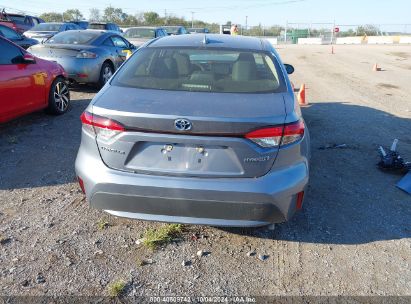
(353, 236)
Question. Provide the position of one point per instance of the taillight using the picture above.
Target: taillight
(81, 184)
(86, 55)
(267, 137)
(300, 198)
(293, 132)
(102, 127)
(277, 136)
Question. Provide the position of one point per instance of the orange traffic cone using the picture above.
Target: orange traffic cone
(301, 96)
(376, 68)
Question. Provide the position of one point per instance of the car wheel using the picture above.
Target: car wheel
(105, 74)
(59, 97)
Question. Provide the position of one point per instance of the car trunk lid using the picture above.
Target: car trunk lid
(214, 146)
(50, 51)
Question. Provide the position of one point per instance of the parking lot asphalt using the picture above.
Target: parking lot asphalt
(353, 236)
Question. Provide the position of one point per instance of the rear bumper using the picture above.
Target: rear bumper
(237, 202)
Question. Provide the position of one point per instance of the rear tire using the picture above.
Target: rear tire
(106, 72)
(59, 97)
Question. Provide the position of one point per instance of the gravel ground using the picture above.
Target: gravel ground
(352, 238)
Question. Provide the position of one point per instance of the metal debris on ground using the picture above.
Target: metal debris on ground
(186, 263)
(392, 161)
(262, 257)
(251, 253)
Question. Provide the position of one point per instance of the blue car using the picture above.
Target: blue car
(16, 37)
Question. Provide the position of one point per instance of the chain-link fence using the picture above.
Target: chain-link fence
(324, 33)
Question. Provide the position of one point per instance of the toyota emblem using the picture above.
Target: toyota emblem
(182, 124)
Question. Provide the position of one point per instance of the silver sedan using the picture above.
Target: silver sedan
(88, 56)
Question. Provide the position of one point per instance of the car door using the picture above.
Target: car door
(22, 86)
(120, 46)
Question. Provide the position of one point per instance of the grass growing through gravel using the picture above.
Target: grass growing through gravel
(116, 288)
(102, 224)
(153, 238)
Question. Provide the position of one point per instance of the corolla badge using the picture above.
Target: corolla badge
(182, 124)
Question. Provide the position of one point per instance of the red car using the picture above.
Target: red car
(29, 84)
(19, 23)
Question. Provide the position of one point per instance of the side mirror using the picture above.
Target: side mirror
(289, 68)
(132, 46)
(29, 59)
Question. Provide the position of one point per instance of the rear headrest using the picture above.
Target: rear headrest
(183, 64)
(244, 70)
(165, 68)
(246, 57)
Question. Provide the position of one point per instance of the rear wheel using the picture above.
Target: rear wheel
(59, 97)
(105, 74)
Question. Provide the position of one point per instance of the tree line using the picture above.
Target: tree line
(118, 16)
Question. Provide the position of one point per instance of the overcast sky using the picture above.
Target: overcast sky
(266, 12)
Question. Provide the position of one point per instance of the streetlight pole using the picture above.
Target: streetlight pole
(246, 23)
(192, 19)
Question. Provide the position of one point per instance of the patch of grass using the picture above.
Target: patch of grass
(116, 288)
(153, 238)
(102, 224)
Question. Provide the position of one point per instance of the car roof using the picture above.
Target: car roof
(213, 41)
(175, 26)
(102, 23)
(144, 27)
(61, 23)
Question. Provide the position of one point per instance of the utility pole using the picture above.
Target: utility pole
(246, 23)
(165, 16)
(192, 19)
(285, 32)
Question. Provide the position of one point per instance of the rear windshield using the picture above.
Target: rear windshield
(201, 70)
(17, 18)
(172, 29)
(49, 27)
(74, 37)
(139, 33)
(96, 26)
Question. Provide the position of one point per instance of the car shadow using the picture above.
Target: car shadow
(84, 88)
(39, 150)
(349, 201)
